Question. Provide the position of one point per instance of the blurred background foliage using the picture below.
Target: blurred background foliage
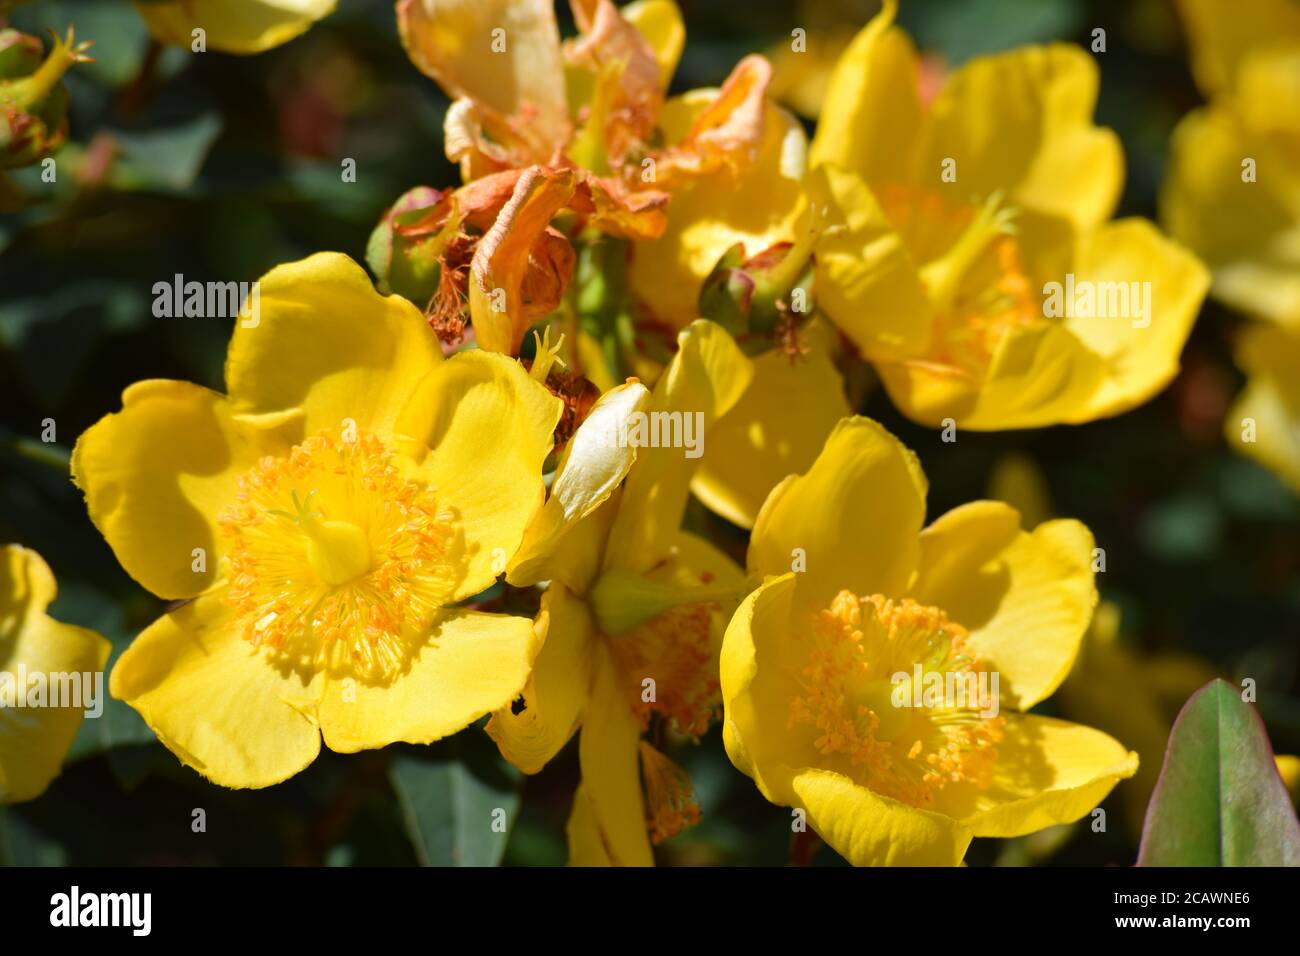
(219, 167)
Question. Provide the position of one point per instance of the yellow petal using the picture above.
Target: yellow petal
(872, 99)
(157, 474)
(1288, 767)
(704, 381)
(757, 204)
(480, 429)
(1020, 122)
(594, 464)
(870, 830)
(611, 775)
(756, 673)
(34, 740)
(586, 845)
(853, 517)
(1248, 233)
(498, 295)
(1110, 688)
(1140, 345)
(573, 555)
(233, 26)
(660, 22)
(471, 665)
(1040, 374)
(776, 429)
(867, 281)
(1264, 423)
(215, 701)
(1268, 97)
(1223, 35)
(1025, 597)
(801, 81)
(694, 558)
(504, 54)
(327, 344)
(1048, 772)
(558, 686)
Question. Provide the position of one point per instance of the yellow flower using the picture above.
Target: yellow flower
(631, 621)
(972, 261)
(232, 26)
(582, 134)
(828, 668)
(1264, 422)
(34, 739)
(319, 523)
(1232, 193)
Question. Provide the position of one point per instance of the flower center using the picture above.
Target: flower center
(670, 664)
(972, 269)
(896, 699)
(337, 561)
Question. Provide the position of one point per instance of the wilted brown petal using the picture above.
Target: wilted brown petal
(728, 132)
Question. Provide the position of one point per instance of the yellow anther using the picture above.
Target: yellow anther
(859, 700)
(346, 578)
(670, 799)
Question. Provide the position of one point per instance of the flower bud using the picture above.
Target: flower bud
(33, 103)
(403, 263)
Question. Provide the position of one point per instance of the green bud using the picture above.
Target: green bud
(408, 261)
(33, 103)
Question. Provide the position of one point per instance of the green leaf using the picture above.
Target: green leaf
(166, 160)
(459, 802)
(1219, 800)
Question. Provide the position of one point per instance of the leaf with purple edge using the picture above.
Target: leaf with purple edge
(1219, 800)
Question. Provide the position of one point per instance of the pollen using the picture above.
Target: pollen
(670, 798)
(858, 702)
(338, 562)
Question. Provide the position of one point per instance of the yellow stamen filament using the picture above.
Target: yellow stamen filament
(675, 650)
(670, 798)
(973, 271)
(908, 753)
(970, 334)
(337, 561)
(943, 276)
